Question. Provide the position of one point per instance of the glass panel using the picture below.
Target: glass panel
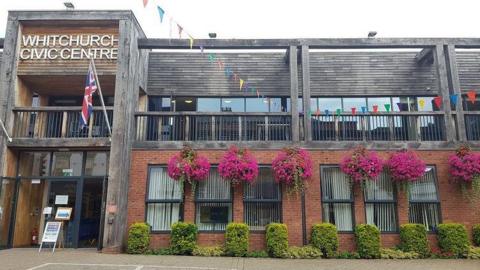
(380, 102)
(260, 214)
(382, 215)
(424, 189)
(67, 164)
(208, 104)
(256, 105)
(233, 105)
(428, 105)
(162, 215)
(276, 105)
(313, 105)
(91, 213)
(331, 104)
(213, 216)
(214, 188)
(339, 214)
(158, 104)
(425, 213)
(264, 187)
(469, 106)
(34, 164)
(358, 103)
(7, 193)
(403, 104)
(381, 189)
(335, 185)
(96, 163)
(68, 188)
(162, 187)
(299, 105)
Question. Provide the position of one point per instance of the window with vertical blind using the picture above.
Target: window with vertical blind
(337, 198)
(213, 203)
(262, 201)
(164, 199)
(380, 203)
(424, 204)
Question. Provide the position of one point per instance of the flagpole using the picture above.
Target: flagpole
(5, 131)
(101, 97)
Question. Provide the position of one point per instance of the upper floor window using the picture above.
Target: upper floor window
(380, 203)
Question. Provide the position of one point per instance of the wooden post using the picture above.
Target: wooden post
(294, 93)
(307, 117)
(455, 81)
(441, 67)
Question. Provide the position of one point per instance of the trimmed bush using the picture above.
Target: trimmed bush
(347, 255)
(325, 238)
(277, 240)
(413, 237)
(138, 238)
(473, 253)
(389, 253)
(476, 235)
(305, 252)
(257, 254)
(453, 238)
(236, 239)
(183, 239)
(368, 241)
(208, 251)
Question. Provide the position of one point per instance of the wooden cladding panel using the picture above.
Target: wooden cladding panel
(61, 67)
(469, 70)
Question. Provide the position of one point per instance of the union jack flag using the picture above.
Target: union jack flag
(90, 89)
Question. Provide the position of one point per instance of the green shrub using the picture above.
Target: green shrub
(257, 254)
(325, 238)
(236, 239)
(476, 235)
(347, 255)
(277, 240)
(305, 252)
(388, 253)
(413, 237)
(453, 238)
(208, 251)
(473, 253)
(183, 239)
(138, 238)
(368, 241)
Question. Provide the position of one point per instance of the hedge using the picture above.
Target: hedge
(305, 252)
(236, 239)
(453, 238)
(325, 237)
(413, 237)
(183, 239)
(138, 238)
(476, 235)
(277, 240)
(368, 241)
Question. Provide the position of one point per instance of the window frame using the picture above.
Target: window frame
(278, 201)
(196, 200)
(436, 202)
(152, 201)
(394, 201)
(330, 201)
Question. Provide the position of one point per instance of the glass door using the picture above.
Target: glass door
(91, 216)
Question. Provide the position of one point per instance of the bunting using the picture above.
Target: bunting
(453, 99)
(364, 109)
(354, 111)
(145, 3)
(375, 108)
(241, 84)
(161, 12)
(180, 30)
(471, 96)
(327, 112)
(438, 101)
(191, 41)
(339, 111)
(421, 103)
(387, 107)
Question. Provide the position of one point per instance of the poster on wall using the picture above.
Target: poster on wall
(63, 213)
(61, 199)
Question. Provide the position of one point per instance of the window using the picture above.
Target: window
(233, 105)
(164, 199)
(358, 103)
(424, 205)
(256, 105)
(213, 203)
(67, 163)
(208, 104)
(262, 201)
(330, 104)
(380, 203)
(96, 163)
(337, 198)
(157, 104)
(380, 102)
(34, 164)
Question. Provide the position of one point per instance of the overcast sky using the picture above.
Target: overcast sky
(288, 19)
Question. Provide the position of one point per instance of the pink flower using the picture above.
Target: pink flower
(293, 166)
(406, 166)
(464, 166)
(362, 165)
(238, 165)
(188, 166)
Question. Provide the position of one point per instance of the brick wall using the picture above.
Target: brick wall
(454, 207)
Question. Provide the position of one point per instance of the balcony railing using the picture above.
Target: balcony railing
(197, 126)
(472, 126)
(58, 122)
(398, 126)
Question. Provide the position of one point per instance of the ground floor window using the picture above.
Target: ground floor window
(164, 199)
(262, 201)
(380, 203)
(337, 198)
(213, 203)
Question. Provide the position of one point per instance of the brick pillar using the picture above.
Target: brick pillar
(238, 203)
(292, 216)
(189, 204)
(359, 205)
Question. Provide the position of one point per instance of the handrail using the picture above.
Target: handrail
(283, 113)
(56, 108)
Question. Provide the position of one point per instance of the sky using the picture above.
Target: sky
(287, 19)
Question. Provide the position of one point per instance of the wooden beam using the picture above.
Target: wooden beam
(455, 86)
(294, 94)
(307, 117)
(425, 56)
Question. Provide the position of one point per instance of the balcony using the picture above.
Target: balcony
(472, 125)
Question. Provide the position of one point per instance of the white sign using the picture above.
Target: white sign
(35, 181)
(67, 172)
(68, 47)
(47, 210)
(61, 199)
(52, 229)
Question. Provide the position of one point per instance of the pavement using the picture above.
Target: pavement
(89, 259)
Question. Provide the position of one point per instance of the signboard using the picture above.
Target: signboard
(47, 210)
(68, 47)
(61, 199)
(63, 213)
(67, 172)
(52, 229)
(35, 181)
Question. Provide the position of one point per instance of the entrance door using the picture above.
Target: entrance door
(91, 217)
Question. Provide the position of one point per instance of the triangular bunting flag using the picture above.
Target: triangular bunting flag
(387, 107)
(453, 99)
(317, 113)
(180, 30)
(161, 12)
(220, 63)
(471, 96)
(241, 84)
(145, 3)
(211, 57)
(191, 42)
(339, 111)
(227, 72)
(438, 101)
(327, 112)
(364, 109)
(235, 76)
(258, 94)
(421, 103)
(375, 108)
(354, 111)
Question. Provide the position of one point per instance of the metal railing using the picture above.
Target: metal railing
(197, 126)
(59, 122)
(397, 126)
(472, 125)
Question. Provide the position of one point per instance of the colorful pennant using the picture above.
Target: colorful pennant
(387, 107)
(354, 111)
(438, 101)
(364, 109)
(241, 84)
(471, 96)
(180, 30)
(453, 99)
(421, 103)
(339, 111)
(145, 3)
(327, 112)
(191, 41)
(375, 108)
(161, 12)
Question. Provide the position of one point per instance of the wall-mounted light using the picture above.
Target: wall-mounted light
(188, 101)
(227, 101)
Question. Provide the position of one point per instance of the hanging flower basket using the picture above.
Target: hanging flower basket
(405, 166)
(188, 166)
(238, 165)
(362, 165)
(465, 168)
(293, 167)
